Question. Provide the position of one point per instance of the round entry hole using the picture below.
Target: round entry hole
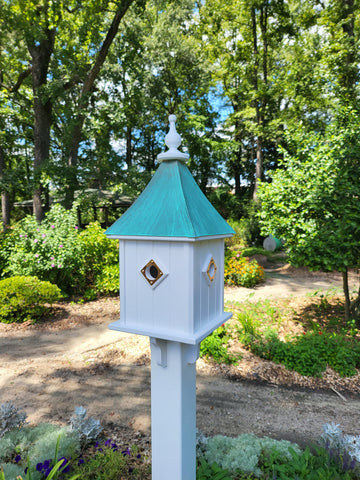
(153, 271)
(211, 270)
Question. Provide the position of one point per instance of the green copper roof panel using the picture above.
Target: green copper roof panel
(172, 205)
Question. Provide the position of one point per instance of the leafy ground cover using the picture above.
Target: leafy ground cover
(306, 339)
(81, 451)
(306, 335)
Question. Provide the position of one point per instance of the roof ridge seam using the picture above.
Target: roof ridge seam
(178, 165)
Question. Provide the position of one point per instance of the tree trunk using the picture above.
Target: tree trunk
(236, 165)
(41, 55)
(355, 310)
(351, 73)
(259, 165)
(261, 98)
(84, 100)
(128, 146)
(347, 295)
(5, 201)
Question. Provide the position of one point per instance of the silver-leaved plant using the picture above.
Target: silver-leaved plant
(10, 418)
(88, 429)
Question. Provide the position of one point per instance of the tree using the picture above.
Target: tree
(245, 39)
(15, 117)
(67, 44)
(313, 201)
(157, 67)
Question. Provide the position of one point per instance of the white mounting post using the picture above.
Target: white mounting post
(173, 409)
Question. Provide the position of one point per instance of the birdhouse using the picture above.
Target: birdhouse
(171, 254)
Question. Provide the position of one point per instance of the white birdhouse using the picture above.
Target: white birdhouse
(171, 256)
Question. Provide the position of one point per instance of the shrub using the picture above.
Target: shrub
(240, 271)
(245, 452)
(309, 353)
(100, 257)
(310, 465)
(247, 229)
(107, 281)
(26, 298)
(51, 251)
(214, 346)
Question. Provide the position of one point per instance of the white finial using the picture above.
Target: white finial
(173, 141)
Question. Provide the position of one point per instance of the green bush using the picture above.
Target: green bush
(25, 298)
(100, 257)
(310, 353)
(107, 281)
(317, 464)
(56, 251)
(214, 346)
(50, 251)
(247, 229)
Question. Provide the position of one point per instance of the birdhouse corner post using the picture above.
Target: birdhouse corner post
(171, 254)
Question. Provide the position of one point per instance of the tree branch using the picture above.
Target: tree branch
(19, 81)
(101, 57)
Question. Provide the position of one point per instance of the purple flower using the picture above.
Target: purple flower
(76, 227)
(38, 229)
(20, 235)
(107, 443)
(47, 464)
(61, 246)
(126, 452)
(43, 235)
(17, 458)
(59, 266)
(52, 258)
(39, 467)
(36, 240)
(138, 455)
(53, 226)
(81, 461)
(52, 265)
(36, 255)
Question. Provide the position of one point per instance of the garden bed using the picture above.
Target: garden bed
(71, 359)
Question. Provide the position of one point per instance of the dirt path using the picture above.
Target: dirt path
(49, 369)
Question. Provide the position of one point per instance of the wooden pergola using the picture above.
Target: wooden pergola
(101, 200)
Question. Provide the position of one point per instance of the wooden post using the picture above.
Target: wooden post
(173, 410)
